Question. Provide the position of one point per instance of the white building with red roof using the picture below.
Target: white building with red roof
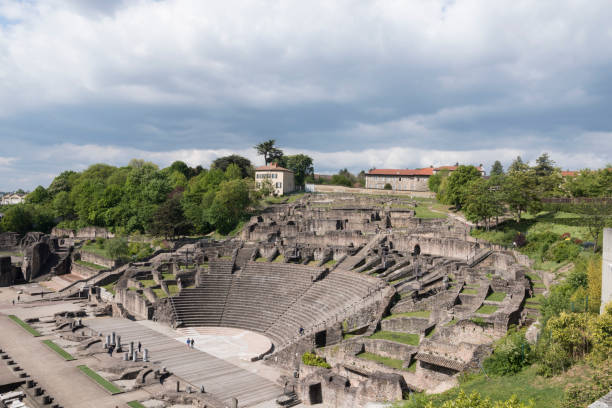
(281, 178)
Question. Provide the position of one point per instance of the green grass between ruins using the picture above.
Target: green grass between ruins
(90, 264)
(159, 292)
(110, 287)
(135, 404)
(487, 309)
(526, 385)
(405, 338)
(94, 249)
(496, 296)
(424, 212)
(387, 361)
(26, 326)
(261, 259)
(167, 276)
(469, 291)
(107, 385)
(418, 313)
(279, 259)
(331, 262)
(63, 353)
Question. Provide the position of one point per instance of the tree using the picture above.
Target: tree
(479, 202)
(17, 219)
(475, 400)
(229, 205)
(117, 248)
(169, 220)
(518, 165)
(544, 165)
(435, 181)
(38, 196)
(243, 163)
(456, 184)
(233, 172)
(63, 182)
(497, 169)
(343, 178)
(301, 166)
(520, 192)
(180, 167)
(269, 151)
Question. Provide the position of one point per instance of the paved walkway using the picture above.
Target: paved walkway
(219, 377)
(61, 379)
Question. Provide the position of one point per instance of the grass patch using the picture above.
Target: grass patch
(63, 353)
(110, 287)
(418, 313)
(279, 259)
(533, 277)
(331, 262)
(94, 249)
(173, 289)
(25, 326)
(314, 262)
(107, 385)
(539, 285)
(431, 333)
(452, 322)
(496, 296)
(147, 283)
(469, 291)
(260, 259)
(424, 212)
(135, 404)
(167, 276)
(90, 265)
(159, 292)
(526, 385)
(404, 338)
(487, 309)
(387, 361)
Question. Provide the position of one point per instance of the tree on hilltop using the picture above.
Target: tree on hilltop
(269, 151)
(222, 163)
(301, 166)
(497, 169)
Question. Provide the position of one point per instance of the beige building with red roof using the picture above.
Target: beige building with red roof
(281, 178)
(406, 179)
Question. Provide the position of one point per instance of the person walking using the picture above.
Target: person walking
(188, 342)
(139, 346)
(192, 341)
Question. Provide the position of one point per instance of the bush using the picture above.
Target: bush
(584, 394)
(117, 248)
(311, 359)
(562, 251)
(474, 400)
(388, 187)
(511, 354)
(539, 242)
(520, 240)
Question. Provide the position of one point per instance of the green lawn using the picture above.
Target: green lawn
(533, 277)
(418, 313)
(90, 265)
(487, 309)
(279, 259)
(469, 291)
(110, 287)
(526, 385)
(26, 326)
(389, 362)
(452, 322)
(260, 259)
(173, 289)
(405, 338)
(63, 353)
(159, 292)
(107, 385)
(167, 276)
(147, 283)
(94, 249)
(135, 404)
(424, 212)
(496, 296)
(331, 262)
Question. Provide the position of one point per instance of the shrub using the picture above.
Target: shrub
(511, 354)
(117, 248)
(474, 400)
(311, 359)
(388, 187)
(562, 251)
(584, 394)
(520, 240)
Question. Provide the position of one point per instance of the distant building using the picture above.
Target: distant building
(12, 198)
(606, 269)
(281, 178)
(406, 179)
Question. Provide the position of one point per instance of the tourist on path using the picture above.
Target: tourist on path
(188, 342)
(192, 341)
(139, 346)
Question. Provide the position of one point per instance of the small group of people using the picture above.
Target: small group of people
(18, 299)
(190, 342)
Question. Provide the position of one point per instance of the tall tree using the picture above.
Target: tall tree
(544, 165)
(301, 166)
(497, 169)
(518, 165)
(222, 163)
(520, 191)
(456, 184)
(269, 151)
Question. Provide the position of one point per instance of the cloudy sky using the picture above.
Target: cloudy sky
(353, 83)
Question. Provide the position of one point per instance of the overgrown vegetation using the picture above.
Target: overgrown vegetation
(311, 359)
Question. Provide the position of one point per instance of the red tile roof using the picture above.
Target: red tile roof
(569, 173)
(272, 167)
(428, 171)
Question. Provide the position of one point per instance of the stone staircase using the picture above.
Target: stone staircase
(351, 261)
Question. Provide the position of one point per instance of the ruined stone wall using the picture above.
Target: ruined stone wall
(134, 303)
(62, 232)
(35, 257)
(93, 233)
(7, 272)
(406, 324)
(451, 248)
(82, 270)
(9, 240)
